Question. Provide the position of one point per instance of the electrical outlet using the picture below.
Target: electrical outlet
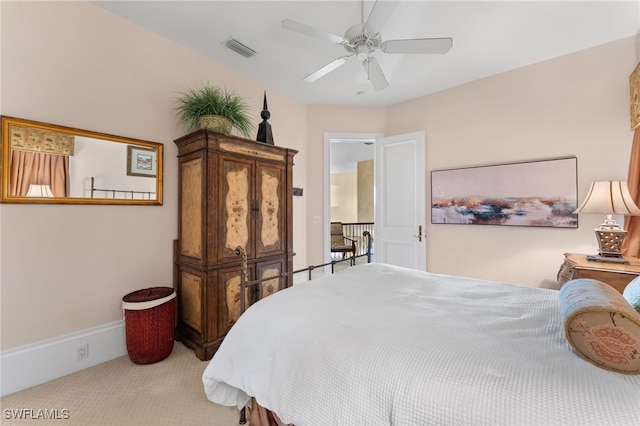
(82, 352)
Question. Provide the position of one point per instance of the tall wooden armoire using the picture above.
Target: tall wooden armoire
(232, 192)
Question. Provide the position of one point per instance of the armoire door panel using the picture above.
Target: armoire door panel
(191, 211)
(229, 304)
(190, 300)
(270, 184)
(236, 225)
(269, 269)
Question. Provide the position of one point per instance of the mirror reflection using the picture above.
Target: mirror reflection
(45, 163)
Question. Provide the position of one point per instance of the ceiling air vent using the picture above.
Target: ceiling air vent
(239, 48)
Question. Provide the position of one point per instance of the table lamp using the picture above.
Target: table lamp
(609, 197)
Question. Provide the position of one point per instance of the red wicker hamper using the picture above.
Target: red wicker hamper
(149, 318)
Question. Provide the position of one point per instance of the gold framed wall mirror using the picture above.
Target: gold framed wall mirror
(50, 164)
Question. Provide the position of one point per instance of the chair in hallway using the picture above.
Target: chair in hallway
(340, 243)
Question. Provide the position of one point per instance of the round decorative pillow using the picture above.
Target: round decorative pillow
(632, 294)
(600, 325)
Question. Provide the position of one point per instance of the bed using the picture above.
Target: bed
(382, 345)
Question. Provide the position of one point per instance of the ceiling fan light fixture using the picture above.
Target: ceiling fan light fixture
(362, 52)
(238, 47)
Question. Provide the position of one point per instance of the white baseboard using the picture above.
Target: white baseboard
(34, 364)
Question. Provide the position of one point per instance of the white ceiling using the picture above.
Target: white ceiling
(345, 155)
(488, 38)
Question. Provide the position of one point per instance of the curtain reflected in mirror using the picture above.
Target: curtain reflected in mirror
(39, 157)
(45, 163)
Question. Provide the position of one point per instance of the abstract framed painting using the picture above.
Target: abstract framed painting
(542, 193)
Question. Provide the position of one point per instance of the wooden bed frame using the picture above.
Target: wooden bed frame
(263, 416)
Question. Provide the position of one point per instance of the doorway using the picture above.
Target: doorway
(344, 154)
(399, 195)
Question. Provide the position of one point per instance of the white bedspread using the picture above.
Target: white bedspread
(382, 345)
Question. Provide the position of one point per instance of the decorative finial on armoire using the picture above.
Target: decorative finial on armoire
(264, 129)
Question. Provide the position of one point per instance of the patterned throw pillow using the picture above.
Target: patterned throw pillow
(632, 294)
(600, 325)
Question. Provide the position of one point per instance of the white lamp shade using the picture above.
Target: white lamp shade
(40, 191)
(609, 197)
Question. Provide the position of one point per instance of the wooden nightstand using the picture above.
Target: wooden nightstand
(615, 274)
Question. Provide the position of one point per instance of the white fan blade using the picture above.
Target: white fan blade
(328, 68)
(375, 74)
(379, 15)
(311, 31)
(417, 45)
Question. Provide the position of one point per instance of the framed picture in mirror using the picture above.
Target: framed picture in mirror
(141, 161)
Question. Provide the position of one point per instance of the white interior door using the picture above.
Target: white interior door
(400, 201)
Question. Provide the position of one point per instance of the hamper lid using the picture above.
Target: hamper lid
(147, 294)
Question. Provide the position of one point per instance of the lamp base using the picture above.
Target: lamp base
(610, 237)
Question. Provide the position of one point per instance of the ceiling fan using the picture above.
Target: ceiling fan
(362, 39)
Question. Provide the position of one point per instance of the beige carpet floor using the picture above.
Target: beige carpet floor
(121, 393)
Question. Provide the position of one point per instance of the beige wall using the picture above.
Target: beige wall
(575, 105)
(352, 194)
(344, 200)
(366, 208)
(65, 268)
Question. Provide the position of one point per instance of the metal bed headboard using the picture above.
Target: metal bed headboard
(113, 192)
(246, 284)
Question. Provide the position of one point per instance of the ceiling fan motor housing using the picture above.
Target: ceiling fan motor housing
(359, 41)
